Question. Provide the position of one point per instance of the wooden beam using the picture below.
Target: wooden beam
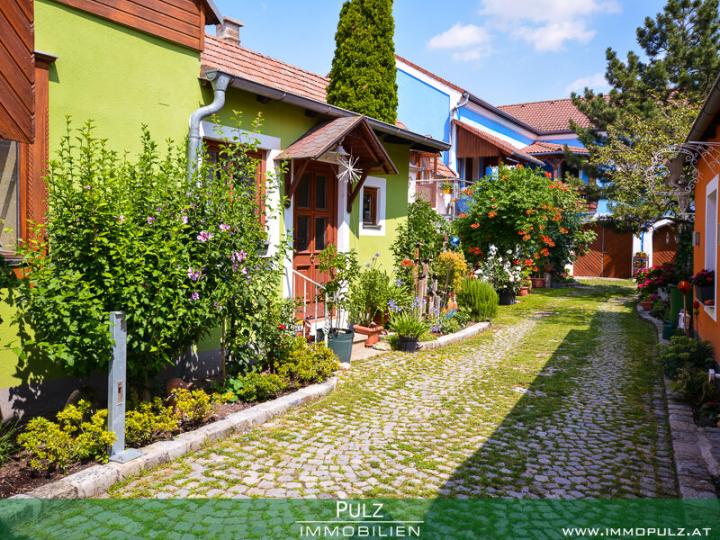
(352, 195)
(293, 181)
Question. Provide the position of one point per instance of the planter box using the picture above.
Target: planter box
(372, 332)
(408, 344)
(506, 297)
(339, 341)
(538, 282)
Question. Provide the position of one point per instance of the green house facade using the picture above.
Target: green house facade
(123, 68)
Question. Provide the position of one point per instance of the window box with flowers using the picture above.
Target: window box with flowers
(704, 282)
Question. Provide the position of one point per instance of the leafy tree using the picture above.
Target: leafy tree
(524, 212)
(651, 104)
(424, 230)
(362, 76)
(629, 147)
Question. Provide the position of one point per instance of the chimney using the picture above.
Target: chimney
(229, 30)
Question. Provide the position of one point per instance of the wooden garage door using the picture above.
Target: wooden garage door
(17, 71)
(610, 255)
(664, 244)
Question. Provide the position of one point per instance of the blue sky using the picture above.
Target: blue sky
(504, 51)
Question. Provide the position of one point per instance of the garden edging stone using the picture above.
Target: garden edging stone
(692, 451)
(452, 338)
(96, 480)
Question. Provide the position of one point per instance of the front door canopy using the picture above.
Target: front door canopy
(356, 137)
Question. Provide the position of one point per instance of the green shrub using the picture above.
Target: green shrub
(150, 422)
(478, 298)
(50, 447)
(369, 295)
(78, 435)
(694, 386)
(408, 324)
(255, 386)
(307, 364)
(685, 351)
(8, 442)
(192, 407)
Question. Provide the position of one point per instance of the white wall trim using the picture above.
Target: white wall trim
(381, 185)
(219, 132)
(712, 247)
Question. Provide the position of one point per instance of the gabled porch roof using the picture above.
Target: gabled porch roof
(356, 136)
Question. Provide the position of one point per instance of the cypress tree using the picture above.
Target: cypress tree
(362, 77)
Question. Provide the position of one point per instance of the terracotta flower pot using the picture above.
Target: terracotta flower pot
(538, 283)
(372, 332)
(524, 291)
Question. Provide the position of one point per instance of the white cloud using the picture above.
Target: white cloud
(547, 25)
(596, 81)
(468, 42)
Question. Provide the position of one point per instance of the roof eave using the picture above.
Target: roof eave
(212, 10)
(707, 114)
(419, 142)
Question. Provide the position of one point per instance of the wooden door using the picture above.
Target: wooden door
(610, 255)
(664, 245)
(315, 227)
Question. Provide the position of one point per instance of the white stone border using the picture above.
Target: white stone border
(694, 462)
(97, 479)
(465, 333)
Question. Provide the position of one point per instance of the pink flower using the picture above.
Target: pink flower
(194, 275)
(224, 227)
(204, 236)
(195, 296)
(238, 256)
(184, 219)
(150, 220)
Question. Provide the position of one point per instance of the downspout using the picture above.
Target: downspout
(220, 83)
(453, 129)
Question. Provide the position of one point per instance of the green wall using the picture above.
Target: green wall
(116, 76)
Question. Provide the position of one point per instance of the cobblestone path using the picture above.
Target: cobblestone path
(561, 398)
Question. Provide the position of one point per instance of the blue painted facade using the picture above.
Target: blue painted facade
(423, 108)
(473, 116)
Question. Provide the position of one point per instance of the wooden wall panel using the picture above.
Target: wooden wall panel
(178, 21)
(470, 145)
(664, 245)
(17, 77)
(610, 255)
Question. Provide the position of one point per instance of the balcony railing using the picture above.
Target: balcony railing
(445, 195)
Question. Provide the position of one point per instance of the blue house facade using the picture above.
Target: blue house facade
(482, 136)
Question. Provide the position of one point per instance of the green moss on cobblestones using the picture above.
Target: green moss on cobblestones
(558, 399)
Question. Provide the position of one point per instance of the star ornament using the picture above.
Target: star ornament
(349, 172)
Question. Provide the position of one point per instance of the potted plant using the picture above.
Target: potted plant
(704, 282)
(370, 293)
(525, 285)
(341, 269)
(409, 327)
(502, 272)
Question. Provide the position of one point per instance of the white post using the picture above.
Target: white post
(117, 383)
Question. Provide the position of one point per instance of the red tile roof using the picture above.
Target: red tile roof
(430, 74)
(542, 147)
(547, 116)
(241, 62)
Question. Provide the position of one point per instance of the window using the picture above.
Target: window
(370, 207)
(9, 200)
(711, 232)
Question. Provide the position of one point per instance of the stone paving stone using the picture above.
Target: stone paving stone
(450, 422)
